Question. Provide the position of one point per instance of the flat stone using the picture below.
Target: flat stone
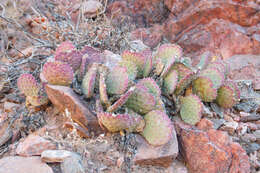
(52, 156)
(9, 106)
(230, 127)
(17, 164)
(91, 8)
(159, 156)
(210, 151)
(72, 165)
(66, 100)
(34, 145)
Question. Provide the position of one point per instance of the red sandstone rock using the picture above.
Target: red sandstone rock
(158, 156)
(67, 101)
(34, 145)
(211, 151)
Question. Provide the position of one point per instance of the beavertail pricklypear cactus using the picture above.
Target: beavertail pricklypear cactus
(28, 85)
(203, 87)
(214, 75)
(191, 109)
(165, 58)
(151, 85)
(119, 122)
(117, 80)
(131, 68)
(170, 82)
(88, 82)
(137, 58)
(58, 73)
(148, 63)
(228, 95)
(158, 128)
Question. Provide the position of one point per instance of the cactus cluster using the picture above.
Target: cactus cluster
(33, 91)
(130, 96)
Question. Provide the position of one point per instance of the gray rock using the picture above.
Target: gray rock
(72, 165)
(52, 156)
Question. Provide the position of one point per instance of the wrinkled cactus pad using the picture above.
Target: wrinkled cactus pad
(118, 122)
(170, 81)
(191, 109)
(214, 75)
(28, 85)
(203, 87)
(58, 73)
(228, 95)
(151, 85)
(141, 101)
(158, 128)
(137, 58)
(148, 63)
(88, 82)
(117, 80)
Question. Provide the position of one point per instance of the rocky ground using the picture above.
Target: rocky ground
(45, 139)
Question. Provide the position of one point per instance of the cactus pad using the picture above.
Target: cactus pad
(215, 75)
(73, 58)
(58, 73)
(118, 122)
(117, 80)
(141, 101)
(37, 100)
(191, 109)
(170, 82)
(137, 58)
(203, 87)
(151, 85)
(158, 128)
(218, 65)
(228, 95)
(28, 85)
(131, 68)
(88, 83)
(103, 90)
(148, 63)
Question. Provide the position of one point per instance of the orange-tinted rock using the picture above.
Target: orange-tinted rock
(18, 164)
(211, 151)
(143, 13)
(34, 145)
(158, 156)
(205, 124)
(150, 36)
(67, 101)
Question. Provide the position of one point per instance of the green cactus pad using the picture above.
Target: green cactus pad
(58, 73)
(118, 122)
(130, 67)
(136, 58)
(103, 90)
(218, 65)
(228, 95)
(148, 63)
(88, 83)
(122, 100)
(141, 101)
(170, 81)
(203, 87)
(73, 58)
(151, 85)
(191, 109)
(215, 75)
(117, 80)
(28, 85)
(158, 128)
(165, 57)
(185, 76)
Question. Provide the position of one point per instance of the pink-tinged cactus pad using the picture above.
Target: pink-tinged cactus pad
(28, 85)
(151, 85)
(103, 90)
(191, 109)
(131, 68)
(83, 67)
(203, 87)
(148, 63)
(73, 58)
(58, 73)
(122, 100)
(234, 87)
(137, 58)
(158, 128)
(141, 101)
(117, 80)
(118, 122)
(37, 100)
(170, 82)
(88, 82)
(215, 75)
(65, 46)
